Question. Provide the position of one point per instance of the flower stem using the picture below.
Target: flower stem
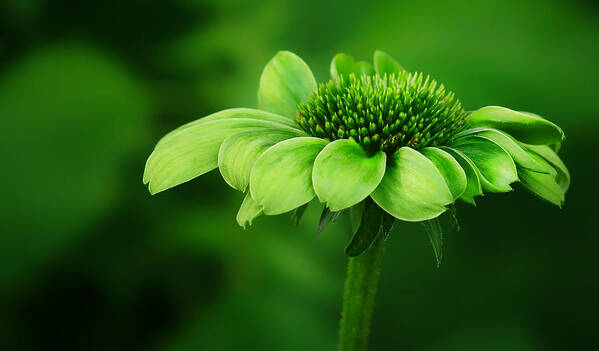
(358, 298)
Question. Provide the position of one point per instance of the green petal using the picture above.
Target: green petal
(248, 211)
(281, 178)
(495, 166)
(383, 63)
(344, 64)
(473, 186)
(563, 175)
(194, 151)
(542, 185)
(526, 127)
(285, 82)
(555, 146)
(238, 153)
(509, 144)
(245, 113)
(454, 174)
(344, 174)
(412, 189)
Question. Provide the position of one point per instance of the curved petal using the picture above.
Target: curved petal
(383, 63)
(344, 174)
(473, 186)
(542, 185)
(450, 169)
(562, 176)
(525, 127)
(281, 178)
(285, 82)
(248, 211)
(509, 144)
(246, 113)
(194, 151)
(344, 64)
(495, 166)
(239, 151)
(412, 189)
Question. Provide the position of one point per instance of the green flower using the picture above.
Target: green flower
(378, 140)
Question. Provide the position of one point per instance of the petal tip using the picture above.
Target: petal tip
(284, 53)
(379, 52)
(153, 190)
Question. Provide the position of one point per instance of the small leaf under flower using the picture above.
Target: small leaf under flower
(297, 214)
(369, 229)
(327, 216)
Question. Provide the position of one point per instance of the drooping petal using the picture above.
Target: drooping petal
(194, 151)
(473, 186)
(245, 113)
(542, 185)
(525, 127)
(383, 63)
(281, 178)
(496, 167)
(563, 175)
(344, 174)
(239, 151)
(412, 189)
(454, 174)
(248, 211)
(509, 144)
(285, 82)
(344, 64)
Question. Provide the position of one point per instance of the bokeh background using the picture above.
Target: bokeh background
(90, 261)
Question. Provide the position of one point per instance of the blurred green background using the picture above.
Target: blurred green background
(90, 261)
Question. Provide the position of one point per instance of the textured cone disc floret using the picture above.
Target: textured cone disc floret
(383, 112)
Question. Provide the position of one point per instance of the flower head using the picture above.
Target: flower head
(385, 143)
(383, 112)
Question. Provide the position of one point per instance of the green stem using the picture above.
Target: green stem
(358, 298)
